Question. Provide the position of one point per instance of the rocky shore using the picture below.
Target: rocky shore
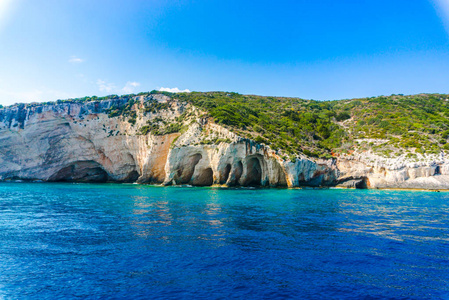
(83, 142)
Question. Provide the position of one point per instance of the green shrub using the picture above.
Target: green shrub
(342, 116)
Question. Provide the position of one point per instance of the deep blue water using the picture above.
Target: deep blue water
(141, 242)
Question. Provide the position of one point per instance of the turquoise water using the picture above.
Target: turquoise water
(65, 241)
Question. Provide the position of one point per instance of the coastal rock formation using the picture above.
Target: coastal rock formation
(432, 172)
(156, 139)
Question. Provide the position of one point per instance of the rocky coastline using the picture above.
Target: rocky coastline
(83, 142)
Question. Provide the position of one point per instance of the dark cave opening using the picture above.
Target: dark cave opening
(185, 173)
(81, 171)
(253, 172)
(205, 178)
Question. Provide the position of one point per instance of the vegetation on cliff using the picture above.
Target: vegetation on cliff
(389, 125)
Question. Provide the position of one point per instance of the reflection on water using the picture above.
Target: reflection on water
(127, 241)
(159, 218)
(389, 220)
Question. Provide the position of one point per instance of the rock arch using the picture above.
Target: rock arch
(81, 171)
(236, 174)
(205, 178)
(363, 184)
(224, 174)
(354, 182)
(185, 172)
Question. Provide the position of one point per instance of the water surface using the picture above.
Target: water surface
(129, 241)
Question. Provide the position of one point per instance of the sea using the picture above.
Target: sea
(127, 241)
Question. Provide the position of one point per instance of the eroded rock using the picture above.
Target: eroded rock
(80, 142)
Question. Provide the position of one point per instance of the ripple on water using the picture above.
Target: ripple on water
(132, 241)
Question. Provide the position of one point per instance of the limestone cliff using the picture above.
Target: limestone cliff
(374, 171)
(156, 139)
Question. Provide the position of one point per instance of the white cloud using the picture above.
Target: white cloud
(130, 86)
(112, 88)
(74, 59)
(107, 87)
(173, 90)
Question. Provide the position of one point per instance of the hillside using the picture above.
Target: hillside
(230, 139)
(390, 125)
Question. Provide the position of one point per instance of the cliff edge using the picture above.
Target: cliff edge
(165, 139)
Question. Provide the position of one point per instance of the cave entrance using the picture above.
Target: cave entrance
(224, 175)
(81, 171)
(131, 177)
(205, 178)
(362, 183)
(253, 172)
(437, 170)
(187, 169)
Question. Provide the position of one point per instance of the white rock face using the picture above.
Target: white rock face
(80, 142)
(429, 172)
(51, 142)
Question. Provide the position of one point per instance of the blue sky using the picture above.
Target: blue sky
(320, 49)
